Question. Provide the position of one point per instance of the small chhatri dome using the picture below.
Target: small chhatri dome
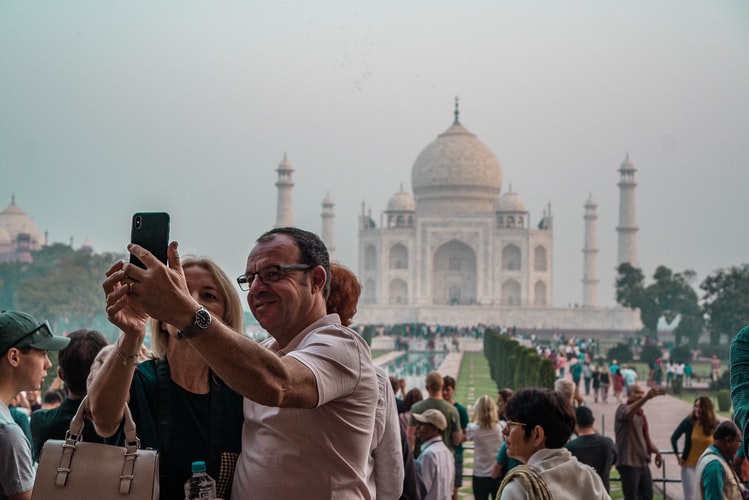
(285, 164)
(510, 202)
(401, 202)
(590, 201)
(627, 164)
(456, 173)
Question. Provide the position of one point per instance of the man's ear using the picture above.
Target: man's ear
(12, 355)
(319, 277)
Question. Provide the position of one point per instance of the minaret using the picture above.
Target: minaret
(627, 227)
(328, 233)
(285, 209)
(590, 255)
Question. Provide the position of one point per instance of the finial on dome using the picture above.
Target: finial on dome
(457, 110)
(13, 199)
(401, 186)
(510, 188)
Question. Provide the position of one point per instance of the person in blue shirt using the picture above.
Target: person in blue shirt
(717, 478)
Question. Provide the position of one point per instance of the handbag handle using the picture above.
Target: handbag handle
(75, 431)
(75, 434)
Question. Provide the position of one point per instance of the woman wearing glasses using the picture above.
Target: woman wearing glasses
(179, 405)
(539, 423)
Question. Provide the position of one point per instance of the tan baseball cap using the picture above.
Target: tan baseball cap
(432, 416)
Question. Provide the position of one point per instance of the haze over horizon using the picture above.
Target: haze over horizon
(188, 107)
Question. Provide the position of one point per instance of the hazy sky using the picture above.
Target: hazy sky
(107, 108)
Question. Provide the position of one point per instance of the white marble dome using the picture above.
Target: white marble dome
(456, 173)
(401, 202)
(15, 221)
(510, 202)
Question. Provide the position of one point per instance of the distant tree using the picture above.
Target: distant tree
(681, 354)
(621, 352)
(691, 323)
(676, 299)
(650, 353)
(632, 292)
(670, 297)
(726, 301)
(630, 284)
(60, 285)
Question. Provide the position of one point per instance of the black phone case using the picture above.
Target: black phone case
(151, 231)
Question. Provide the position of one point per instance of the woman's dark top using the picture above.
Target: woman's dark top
(186, 427)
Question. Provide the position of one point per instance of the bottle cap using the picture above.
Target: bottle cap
(198, 466)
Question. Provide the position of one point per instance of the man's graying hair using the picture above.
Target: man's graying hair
(312, 250)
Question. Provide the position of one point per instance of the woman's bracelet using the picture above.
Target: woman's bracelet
(127, 359)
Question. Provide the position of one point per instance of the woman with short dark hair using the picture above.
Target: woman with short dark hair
(539, 423)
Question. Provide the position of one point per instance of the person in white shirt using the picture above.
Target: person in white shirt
(436, 462)
(486, 433)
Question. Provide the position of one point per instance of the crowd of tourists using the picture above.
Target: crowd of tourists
(306, 413)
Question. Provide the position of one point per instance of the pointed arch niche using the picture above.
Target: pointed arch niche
(454, 274)
(511, 259)
(511, 293)
(398, 256)
(370, 257)
(540, 261)
(398, 292)
(370, 292)
(539, 293)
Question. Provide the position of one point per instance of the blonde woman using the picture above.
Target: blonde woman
(179, 405)
(486, 434)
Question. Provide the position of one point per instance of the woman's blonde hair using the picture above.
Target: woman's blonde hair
(485, 412)
(233, 314)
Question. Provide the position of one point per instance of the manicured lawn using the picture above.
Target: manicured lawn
(474, 380)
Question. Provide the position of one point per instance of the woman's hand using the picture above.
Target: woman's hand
(121, 311)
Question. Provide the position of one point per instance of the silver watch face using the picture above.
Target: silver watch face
(202, 318)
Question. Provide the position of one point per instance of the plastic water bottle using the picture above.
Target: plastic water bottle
(200, 485)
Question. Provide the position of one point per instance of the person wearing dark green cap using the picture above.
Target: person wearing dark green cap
(24, 343)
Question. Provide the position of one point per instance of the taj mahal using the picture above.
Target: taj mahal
(459, 251)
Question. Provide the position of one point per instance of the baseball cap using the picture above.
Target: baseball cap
(432, 416)
(21, 330)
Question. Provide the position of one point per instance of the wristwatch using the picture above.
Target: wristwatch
(199, 325)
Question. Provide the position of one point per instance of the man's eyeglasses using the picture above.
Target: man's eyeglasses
(511, 424)
(43, 326)
(269, 275)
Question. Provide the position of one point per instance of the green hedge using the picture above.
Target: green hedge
(513, 365)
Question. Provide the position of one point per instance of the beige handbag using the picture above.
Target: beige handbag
(72, 469)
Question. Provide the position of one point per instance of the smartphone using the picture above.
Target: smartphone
(151, 231)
